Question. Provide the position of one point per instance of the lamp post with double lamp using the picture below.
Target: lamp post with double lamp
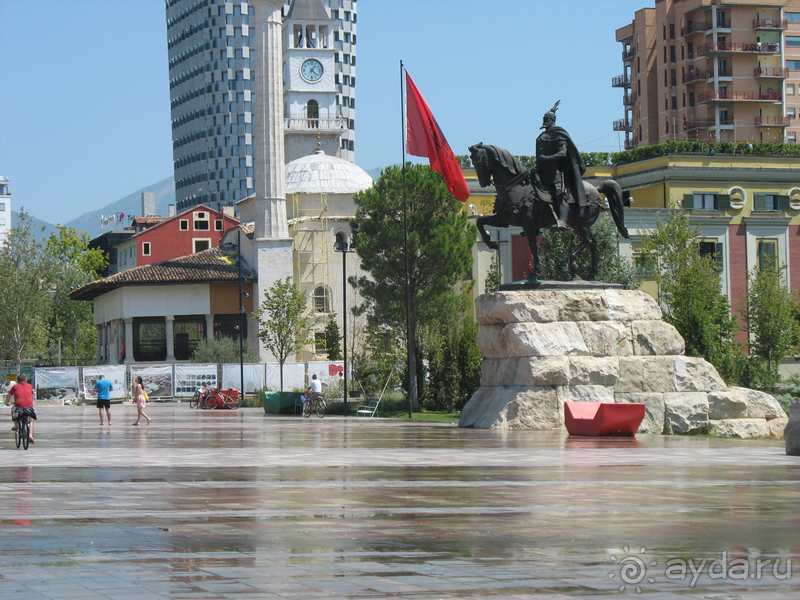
(344, 246)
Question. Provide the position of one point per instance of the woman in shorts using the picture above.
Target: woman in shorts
(140, 401)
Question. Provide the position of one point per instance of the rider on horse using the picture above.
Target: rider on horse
(559, 167)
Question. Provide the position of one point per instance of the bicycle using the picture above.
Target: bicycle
(22, 434)
(197, 400)
(317, 405)
(223, 399)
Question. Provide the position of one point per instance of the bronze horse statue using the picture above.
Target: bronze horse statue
(519, 203)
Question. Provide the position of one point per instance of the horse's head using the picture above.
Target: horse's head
(480, 160)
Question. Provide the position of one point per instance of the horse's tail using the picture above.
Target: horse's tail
(613, 193)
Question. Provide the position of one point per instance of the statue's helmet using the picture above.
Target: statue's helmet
(549, 118)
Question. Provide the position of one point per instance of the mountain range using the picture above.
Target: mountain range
(129, 205)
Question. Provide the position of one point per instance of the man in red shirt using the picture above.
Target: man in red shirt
(23, 403)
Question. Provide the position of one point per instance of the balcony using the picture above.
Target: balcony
(629, 54)
(771, 24)
(300, 122)
(631, 143)
(729, 47)
(773, 121)
(697, 124)
(621, 81)
(695, 75)
(730, 95)
(697, 27)
(629, 99)
(771, 72)
(706, 124)
(623, 125)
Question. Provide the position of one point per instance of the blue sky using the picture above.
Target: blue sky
(84, 102)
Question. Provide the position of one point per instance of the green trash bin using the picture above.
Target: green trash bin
(280, 403)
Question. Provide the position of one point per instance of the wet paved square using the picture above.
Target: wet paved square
(206, 505)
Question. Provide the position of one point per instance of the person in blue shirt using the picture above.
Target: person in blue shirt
(104, 387)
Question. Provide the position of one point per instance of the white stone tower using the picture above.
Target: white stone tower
(270, 250)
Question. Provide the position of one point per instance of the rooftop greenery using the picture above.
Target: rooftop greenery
(599, 159)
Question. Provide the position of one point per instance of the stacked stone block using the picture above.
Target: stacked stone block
(547, 347)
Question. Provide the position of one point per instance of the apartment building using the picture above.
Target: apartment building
(711, 71)
(212, 52)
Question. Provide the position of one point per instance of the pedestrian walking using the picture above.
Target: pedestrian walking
(141, 400)
(103, 387)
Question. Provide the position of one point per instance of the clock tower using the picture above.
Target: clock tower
(310, 103)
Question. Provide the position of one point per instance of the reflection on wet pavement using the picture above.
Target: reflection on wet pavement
(238, 505)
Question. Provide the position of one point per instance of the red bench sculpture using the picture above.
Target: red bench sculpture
(603, 418)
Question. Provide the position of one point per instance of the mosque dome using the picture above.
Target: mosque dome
(319, 173)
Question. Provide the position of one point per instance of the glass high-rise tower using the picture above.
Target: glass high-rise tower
(212, 86)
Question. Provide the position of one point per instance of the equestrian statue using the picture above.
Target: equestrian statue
(550, 195)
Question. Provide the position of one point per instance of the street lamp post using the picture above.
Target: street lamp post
(240, 326)
(343, 246)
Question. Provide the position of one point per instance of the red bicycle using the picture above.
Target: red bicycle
(220, 399)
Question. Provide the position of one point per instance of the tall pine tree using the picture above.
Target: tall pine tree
(440, 240)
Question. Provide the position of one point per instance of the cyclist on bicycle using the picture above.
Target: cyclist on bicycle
(23, 404)
(314, 390)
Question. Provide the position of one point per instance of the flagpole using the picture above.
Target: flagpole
(409, 370)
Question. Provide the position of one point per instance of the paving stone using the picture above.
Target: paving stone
(203, 505)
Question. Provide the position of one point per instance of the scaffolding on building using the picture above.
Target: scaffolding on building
(311, 248)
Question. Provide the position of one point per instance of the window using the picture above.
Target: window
(184, 224)
(188, 332)
(218, 224)
(793, 40)
(228, 326)
(149, 339)
(767, 254)
(794, 65)
(790, 89)
(321, 300)
(712, 250)
(706, 201)
(201, 244)
(790, 112)
(791, 137)
(319, 342)
(201, 222)
(770, 202)
(792, 17)
(145, 248)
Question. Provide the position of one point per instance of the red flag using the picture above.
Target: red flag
(426, 139)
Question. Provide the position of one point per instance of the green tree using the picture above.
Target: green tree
(440, 240)
(454, 368)
(612, 266)
(27, 275)
(71, 334)
(333, 339)
(223, 350)
(66, 245)
(494, 278)
(71, 330)
(690, 291)
(283, 321)
(771, 317)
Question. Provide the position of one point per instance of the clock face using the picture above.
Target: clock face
(311, 70)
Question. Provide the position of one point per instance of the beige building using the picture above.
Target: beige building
(711, 71)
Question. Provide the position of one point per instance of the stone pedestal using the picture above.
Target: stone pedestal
(547, 347)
